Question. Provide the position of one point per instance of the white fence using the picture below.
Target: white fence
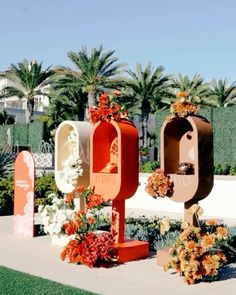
(221, 202)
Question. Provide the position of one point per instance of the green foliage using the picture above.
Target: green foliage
(149, 167)
(224, 135)
(21, 134)
(25, 134)
(5, 118)
(220, 94)
(97, 70)
(4, 129)
(37, 132)
(221, 169)
(233, 170)
(6, 196)
(67, 102)
(6, 162)
(149, 229)
(195, 87)
(28, 80)
(223, 122)
(44, 186)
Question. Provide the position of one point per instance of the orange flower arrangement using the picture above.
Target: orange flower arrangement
(159, 184)
(80, 222)
(90, 249)
(106, 110)
(195, 255)
(183, 106)
(87, 247)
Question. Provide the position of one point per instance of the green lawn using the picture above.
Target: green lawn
(13, 282)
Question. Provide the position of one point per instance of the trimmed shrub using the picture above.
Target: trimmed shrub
(37, 133)
(149, 167)
(223, 122)
(6, 196)
(44, 186)
(25, 134)
(20, 134)
(224, 135)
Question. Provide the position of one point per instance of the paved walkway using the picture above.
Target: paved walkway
(38, 257)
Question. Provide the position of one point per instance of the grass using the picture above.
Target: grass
(13, 282)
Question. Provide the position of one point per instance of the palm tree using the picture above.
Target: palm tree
(150, 90)
(220, 94)
(27, 80)
(66, 104)
(195, 87)
(98, 70)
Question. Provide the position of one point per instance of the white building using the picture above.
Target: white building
(16, 106)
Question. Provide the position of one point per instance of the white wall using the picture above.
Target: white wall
(220, 203)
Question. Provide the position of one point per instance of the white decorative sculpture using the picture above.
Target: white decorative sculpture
(72, 155)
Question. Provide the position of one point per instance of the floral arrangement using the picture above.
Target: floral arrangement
(86, 245)
(86, 220)
(196, 255)
(183, 107)
(64, 216)
(90, 249)
(54, 216)
(106, 110)
(159, 184)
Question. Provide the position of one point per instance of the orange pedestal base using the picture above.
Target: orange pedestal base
(132, 250)
(163, 256)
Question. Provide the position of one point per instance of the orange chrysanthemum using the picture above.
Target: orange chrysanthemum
(190, 245)
(221, 232)
(181, 94)
(159, 184)
(207, 241)
(211, 222)
(210, 264)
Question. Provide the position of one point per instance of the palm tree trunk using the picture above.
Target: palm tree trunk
(91, 99)
(144, 129)
(29, 112)
(91, 103)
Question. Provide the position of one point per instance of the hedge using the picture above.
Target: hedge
(24, 134)
(223, 122)
(224, 135)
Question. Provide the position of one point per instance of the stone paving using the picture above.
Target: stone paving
(37, 256)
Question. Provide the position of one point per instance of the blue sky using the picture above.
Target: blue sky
(184, 36)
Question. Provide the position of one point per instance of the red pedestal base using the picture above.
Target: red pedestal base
(132, 250)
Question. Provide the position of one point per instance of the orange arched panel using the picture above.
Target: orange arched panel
(114, 159)
(24, 194)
